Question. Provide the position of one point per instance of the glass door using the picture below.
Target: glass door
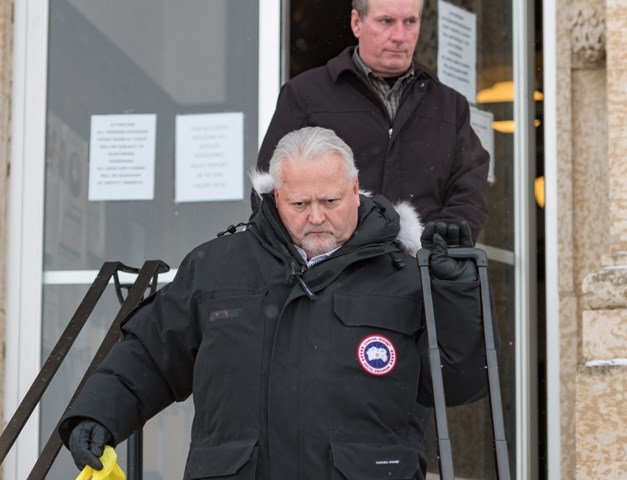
(502, 105)
(149, 126)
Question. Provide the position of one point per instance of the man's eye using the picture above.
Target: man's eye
(386, 21)
(298, 205)
(331, 201)
(411, 21)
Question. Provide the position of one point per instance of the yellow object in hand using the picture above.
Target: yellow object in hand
(110, 468)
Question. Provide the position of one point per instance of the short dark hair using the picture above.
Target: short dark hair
(361, 6)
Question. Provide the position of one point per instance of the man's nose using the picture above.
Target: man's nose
(398, 32)
(316, 214)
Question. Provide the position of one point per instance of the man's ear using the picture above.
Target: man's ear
(356, 190)
(355, 23)
(276, 194)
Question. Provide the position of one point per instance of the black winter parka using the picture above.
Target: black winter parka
(427, 155)
(299, 373)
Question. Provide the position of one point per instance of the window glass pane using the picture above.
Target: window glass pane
(470, 426)
(166, 58)
(163, 57)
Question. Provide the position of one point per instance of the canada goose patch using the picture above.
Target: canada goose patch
(376, 355)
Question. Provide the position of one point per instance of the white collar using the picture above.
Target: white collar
(317, 258)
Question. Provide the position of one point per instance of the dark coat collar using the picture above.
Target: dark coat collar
(344, 63)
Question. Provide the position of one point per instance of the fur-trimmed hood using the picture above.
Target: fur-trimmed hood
(410, 225)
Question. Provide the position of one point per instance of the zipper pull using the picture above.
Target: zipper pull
(291, 274)
(296, 271)
(305, 287)
(390, 133)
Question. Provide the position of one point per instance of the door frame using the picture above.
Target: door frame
(25, 224)
(525, 242)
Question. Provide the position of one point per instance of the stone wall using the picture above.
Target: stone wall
(600, 66)
(567, 288)
(6, 59)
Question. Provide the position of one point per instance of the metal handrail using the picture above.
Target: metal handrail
(146, 279)
(53, 362)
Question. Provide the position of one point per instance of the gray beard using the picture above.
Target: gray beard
(319, 246)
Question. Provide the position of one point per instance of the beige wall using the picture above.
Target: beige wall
(6, 58)
(567, 296)
(592, 81)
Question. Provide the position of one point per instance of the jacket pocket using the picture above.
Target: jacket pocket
(400, 314)
(232, 334)
(233, 460)
(377, 335)
(358, 461)
(375, 367)
(227, 368)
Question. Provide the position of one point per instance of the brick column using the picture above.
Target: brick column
(601, 422)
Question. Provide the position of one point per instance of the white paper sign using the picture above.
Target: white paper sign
(210, 157)
(457, 49)
(122, 157)
(481, 122)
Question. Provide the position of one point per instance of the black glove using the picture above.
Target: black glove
(455, 234)
(438, 237)
(87, 442)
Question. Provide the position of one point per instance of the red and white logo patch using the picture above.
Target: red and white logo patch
(376, 355)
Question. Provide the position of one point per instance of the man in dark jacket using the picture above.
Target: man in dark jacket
(300, 338)
(410, 134)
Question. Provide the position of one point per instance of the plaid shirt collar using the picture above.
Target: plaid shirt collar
(389, 95)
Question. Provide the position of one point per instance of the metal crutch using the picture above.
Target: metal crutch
(445, 455)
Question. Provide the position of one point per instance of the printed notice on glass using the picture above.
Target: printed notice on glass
(481, 122)
(457, 49)
(210, 157)
(122, 157)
